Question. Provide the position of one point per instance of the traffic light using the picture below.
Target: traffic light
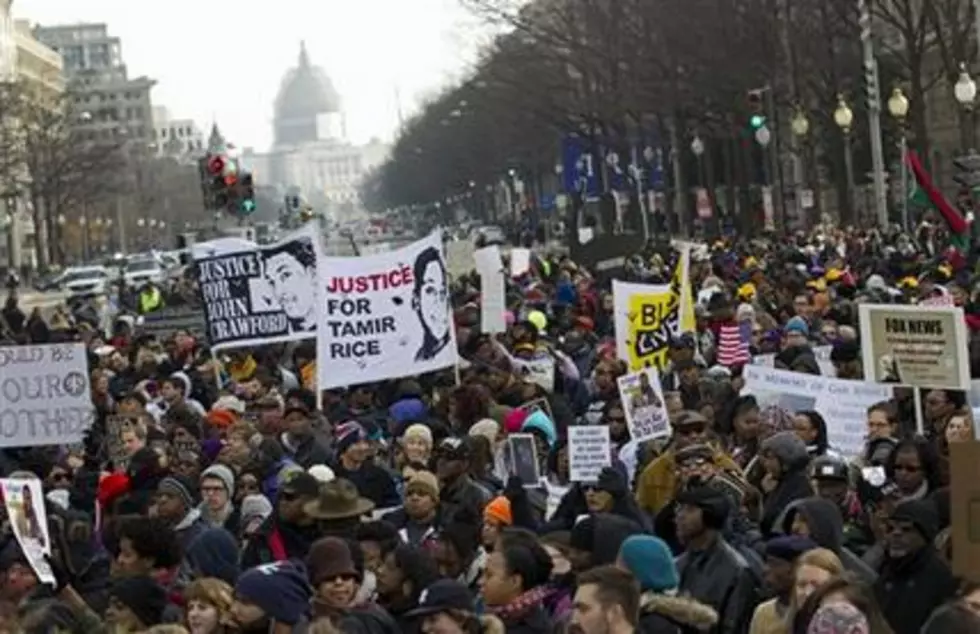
(757, 110)
(968, 172)
(246, 195)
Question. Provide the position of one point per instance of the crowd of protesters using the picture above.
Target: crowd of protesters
(239, 501)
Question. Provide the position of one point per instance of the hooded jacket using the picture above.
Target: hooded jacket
(665, 614)
(794, 483)
(608, 532)
(826, 526)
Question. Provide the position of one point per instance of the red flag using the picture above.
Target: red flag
(957, 224)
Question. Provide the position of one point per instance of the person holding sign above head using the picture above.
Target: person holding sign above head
(430, 302)
(290, 270)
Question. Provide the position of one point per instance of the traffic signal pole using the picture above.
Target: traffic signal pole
(874, 113)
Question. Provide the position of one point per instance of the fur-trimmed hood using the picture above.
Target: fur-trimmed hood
(684, 611)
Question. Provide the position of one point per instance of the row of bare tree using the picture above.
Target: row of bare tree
(66, 170)
(685, 66)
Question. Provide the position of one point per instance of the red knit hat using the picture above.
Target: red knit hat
(111, 488)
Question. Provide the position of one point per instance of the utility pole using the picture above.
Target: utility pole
(874, 113)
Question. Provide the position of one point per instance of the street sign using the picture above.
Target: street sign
(703, 203)
(806, 199)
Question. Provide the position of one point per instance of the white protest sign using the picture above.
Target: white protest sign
(643, 403)
(260, 295)
(540, 371)
(842, 403)
(387, 316)
(24, 502)
(588, 452)
(520, 261)
(493, 303)
(821, 353)
(44, 395)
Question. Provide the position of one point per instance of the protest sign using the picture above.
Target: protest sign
(520, 459)
(115, 446)
(520, 261)
(539, 371)
(493, 302)
(589, 452)
(648, 316)
(643, 403)
(918, 346)
(24, 502)
(44, 395)
(964, 469)
(821, 353)
(842, 403)
(387, 316)
(262, 295)
(165, 322)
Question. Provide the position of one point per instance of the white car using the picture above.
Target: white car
(85, 281)
(492, 234)
(138, 272)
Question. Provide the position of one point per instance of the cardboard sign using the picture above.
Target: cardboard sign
(588, 452)
(165, 322)
(964, 458)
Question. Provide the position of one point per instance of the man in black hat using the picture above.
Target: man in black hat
(832, 480)
(710, 569)
(914, 580)
(289, 531)
(457, 488)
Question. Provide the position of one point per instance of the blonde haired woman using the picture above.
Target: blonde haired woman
(813, 569)
(208, 601)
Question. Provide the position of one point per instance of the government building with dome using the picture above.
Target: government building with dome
(311, 154)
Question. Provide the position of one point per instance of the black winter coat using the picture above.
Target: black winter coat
(910, 588)
(720, 577)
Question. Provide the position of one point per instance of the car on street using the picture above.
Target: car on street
(139, 271)
(85, 281)
(492, 234)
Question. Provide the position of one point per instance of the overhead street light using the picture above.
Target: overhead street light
(843, 115)
(965, 89)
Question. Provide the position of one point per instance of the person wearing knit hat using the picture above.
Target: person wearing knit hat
(489, 429)
(322, 473)
(135, 604)
(497, 515)
(176, 503)
(838, 617)
(333, 573)
(419, 515)
(217, 491)
(417, 443)
(349, 435)
(221, 418)
(712, 506)
(651, 562)
(781, 555)
(254, 510)
(424, 482)
(270, 595)
(785, 457)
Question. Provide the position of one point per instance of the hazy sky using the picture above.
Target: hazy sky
(225, 60)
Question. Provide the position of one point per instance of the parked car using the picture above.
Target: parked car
(85, 281)
(139, 271)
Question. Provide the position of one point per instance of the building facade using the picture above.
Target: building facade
(311, 153)
(179, 139)
(110, 103)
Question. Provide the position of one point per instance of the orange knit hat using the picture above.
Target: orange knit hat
(498, 510)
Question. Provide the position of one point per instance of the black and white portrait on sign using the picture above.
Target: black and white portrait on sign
(289, 277)
(430, 300)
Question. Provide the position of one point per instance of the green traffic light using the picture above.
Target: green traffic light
(248, 206)
(757, 121)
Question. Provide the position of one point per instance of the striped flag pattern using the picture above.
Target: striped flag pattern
(733, 346)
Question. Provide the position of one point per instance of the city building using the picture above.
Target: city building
(311, 152)
(180, 139)
(112, 103)
(38, 66)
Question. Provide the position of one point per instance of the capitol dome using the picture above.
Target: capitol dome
(305, 93)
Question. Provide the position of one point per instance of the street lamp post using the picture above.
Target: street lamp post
(965, 91)
(799, 125)
(898, 107)
(844, 118)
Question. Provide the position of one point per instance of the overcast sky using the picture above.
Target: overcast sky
(221, 60)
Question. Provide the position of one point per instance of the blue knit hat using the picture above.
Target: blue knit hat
(348, 434)
(650, 560)
(280, 590)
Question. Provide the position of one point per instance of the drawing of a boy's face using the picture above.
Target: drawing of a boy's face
(432, 300)
(292, 285)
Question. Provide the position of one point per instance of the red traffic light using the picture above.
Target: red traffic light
(230, 179)
(216, 165)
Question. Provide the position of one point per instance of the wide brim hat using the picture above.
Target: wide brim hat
(338, 500)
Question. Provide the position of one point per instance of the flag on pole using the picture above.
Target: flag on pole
(959, 228)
